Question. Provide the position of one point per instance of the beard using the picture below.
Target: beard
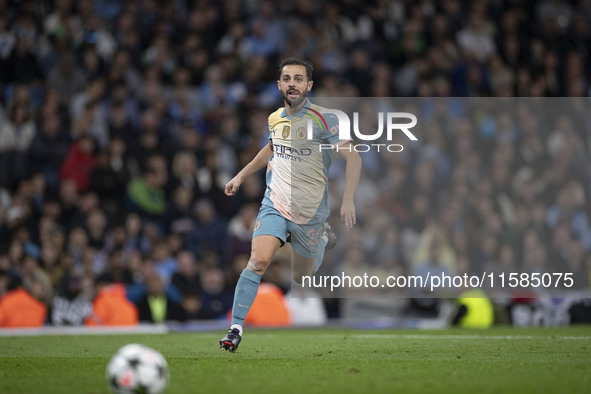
(293, 101)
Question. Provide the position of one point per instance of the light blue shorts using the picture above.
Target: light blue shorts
(304, 237)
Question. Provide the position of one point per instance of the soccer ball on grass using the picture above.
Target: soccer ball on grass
(137, 369)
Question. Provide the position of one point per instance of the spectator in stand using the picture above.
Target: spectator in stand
(164, 262)
(184, 172)
(35, 279)
(209, 230)
(17, 131)
(269, 308)
(433, 264)
(149, 142)
(178, 216)
(145, 194)
(116, 270)
(155, 306)
(65, 209)
(110, 177)
(22, 65)
(7, 39)
(5, 277)
(79, 163)
(111, 307)
(88, 112)
(135, 240)
(67, 78)
(186, 278)
(49, 148)
(50, 263)
(121, 125)
(22, 308)
(96, 228)
(73, 301)
(216, 299)
(239, 234)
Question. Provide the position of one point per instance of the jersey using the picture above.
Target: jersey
(297, 173)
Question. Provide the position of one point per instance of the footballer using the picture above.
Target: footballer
(295, 206)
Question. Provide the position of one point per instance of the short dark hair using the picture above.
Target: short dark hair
(294, 61)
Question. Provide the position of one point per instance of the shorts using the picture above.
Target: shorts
(304, 237)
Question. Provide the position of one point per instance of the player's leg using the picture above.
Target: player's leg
(269, 235)
(263, 249)
(310, 241)
(327, 241)
(301, 266)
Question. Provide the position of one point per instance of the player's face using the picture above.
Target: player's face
(294, 84)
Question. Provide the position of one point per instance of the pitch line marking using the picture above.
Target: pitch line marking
(412, 336)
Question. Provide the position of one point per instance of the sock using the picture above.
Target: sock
(244, 295)
(320, 252)
(238, 327)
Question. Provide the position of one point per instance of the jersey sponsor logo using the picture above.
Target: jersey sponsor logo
(290, 153)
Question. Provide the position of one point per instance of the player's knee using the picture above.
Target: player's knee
(257, 265)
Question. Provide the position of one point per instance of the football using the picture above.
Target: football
(137, 369)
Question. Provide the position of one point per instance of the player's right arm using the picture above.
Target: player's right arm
(259, 162)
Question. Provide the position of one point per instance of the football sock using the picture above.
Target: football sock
(244, 295)
(320, 253)
(238, 327)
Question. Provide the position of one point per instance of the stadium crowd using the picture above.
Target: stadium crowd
(121, 122)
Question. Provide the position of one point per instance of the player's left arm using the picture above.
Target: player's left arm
(352, 173)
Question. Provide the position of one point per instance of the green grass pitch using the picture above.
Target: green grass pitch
(501, 360)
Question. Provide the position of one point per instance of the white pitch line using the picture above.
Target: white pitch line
(402, 336)
(84, 330)
(427, 336)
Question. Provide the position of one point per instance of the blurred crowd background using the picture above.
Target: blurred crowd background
(121, 122)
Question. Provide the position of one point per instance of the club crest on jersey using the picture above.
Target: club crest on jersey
(285, 132)
(301, 133)
(257, 225)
